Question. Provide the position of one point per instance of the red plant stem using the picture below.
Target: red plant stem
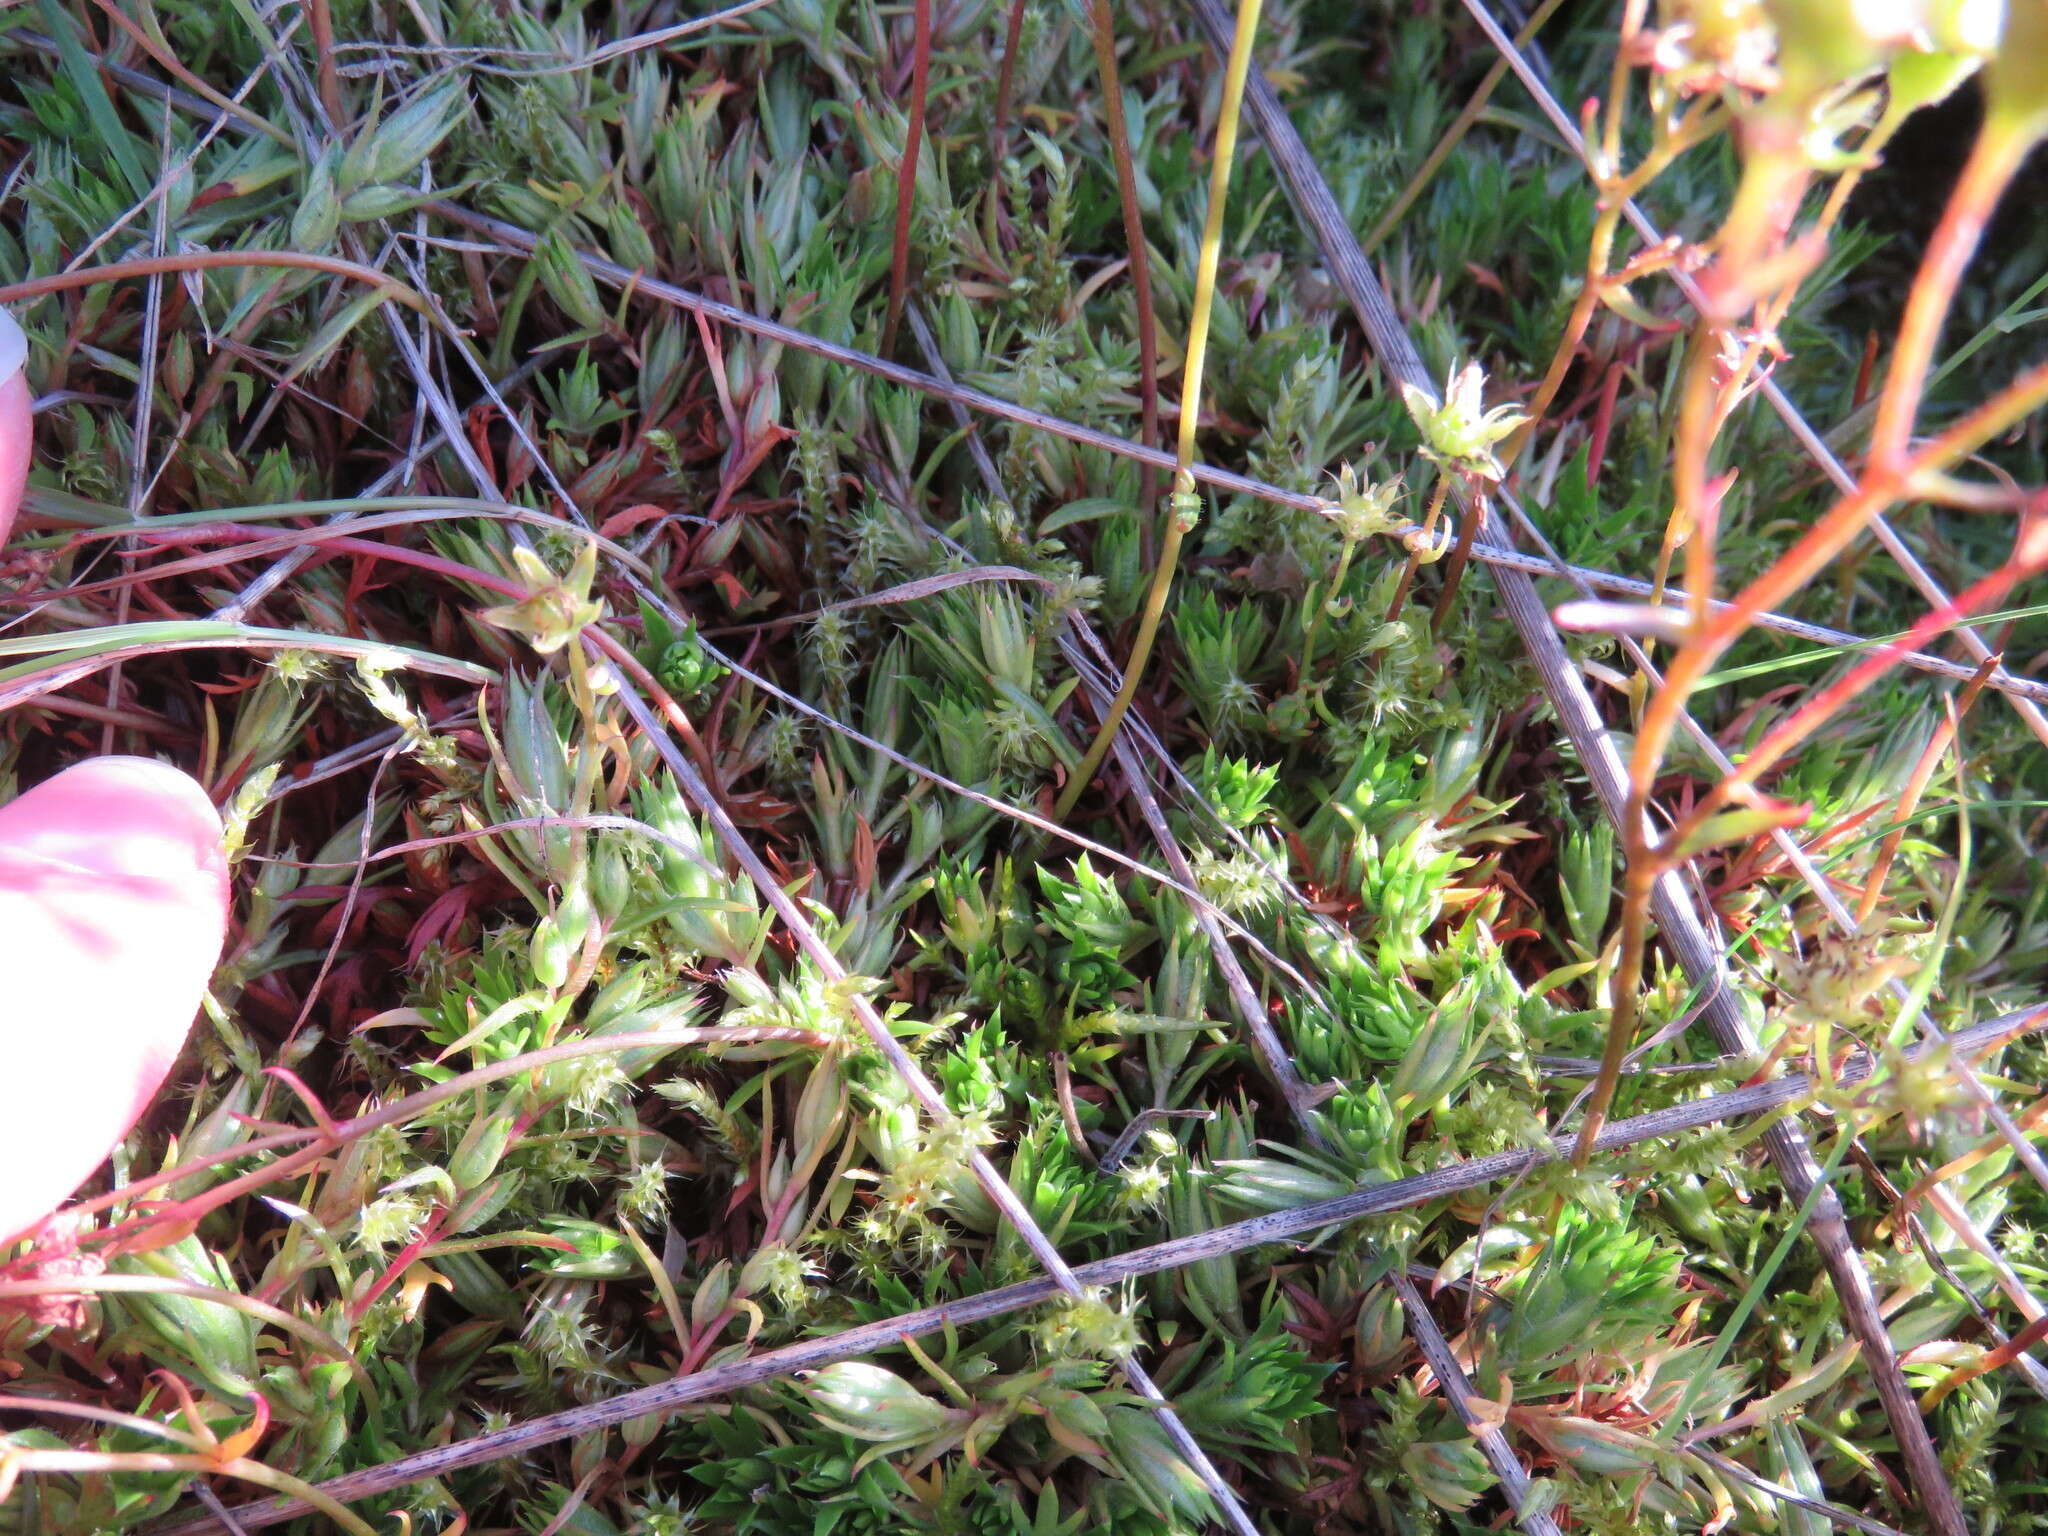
(1598, 254)
(142, 720)
(1798, 565)
(1821, 707)
(1469, 525)
(1413, 563)
(1141, 261)
(1992, 1360)
(699, 1344)
(1916, 786)
(1006, 77)
(1603, 421)
(396, 1269)
(1775, 175)
(663, 700)
(318, 539)
(321, 14)
(1821, 543)
(1865, 371)
(228, 352)
(1993, 159)
(202, 261)
(906, 170)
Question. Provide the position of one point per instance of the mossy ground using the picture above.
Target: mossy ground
(850, 596)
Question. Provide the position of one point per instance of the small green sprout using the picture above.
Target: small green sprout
(685, 668)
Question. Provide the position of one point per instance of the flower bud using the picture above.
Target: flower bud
(477, 1155)
(216, 1342)
(550, 953)
(611, 879)
(1380, 1337)
(870, 1403)
(573, 913)
(1436, 1061)
(1451, 1474)
(713, 1291)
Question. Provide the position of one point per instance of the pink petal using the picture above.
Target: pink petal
(113, 907)
(14, 447)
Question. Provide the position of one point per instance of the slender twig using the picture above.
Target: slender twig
(1457, 1390)
(491, 61)
(1834, 1513)
(204, 261)
(205, 1494)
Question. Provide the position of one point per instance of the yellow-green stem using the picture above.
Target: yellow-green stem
(1694, 521)
(1323, 600)
(1234, 74)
